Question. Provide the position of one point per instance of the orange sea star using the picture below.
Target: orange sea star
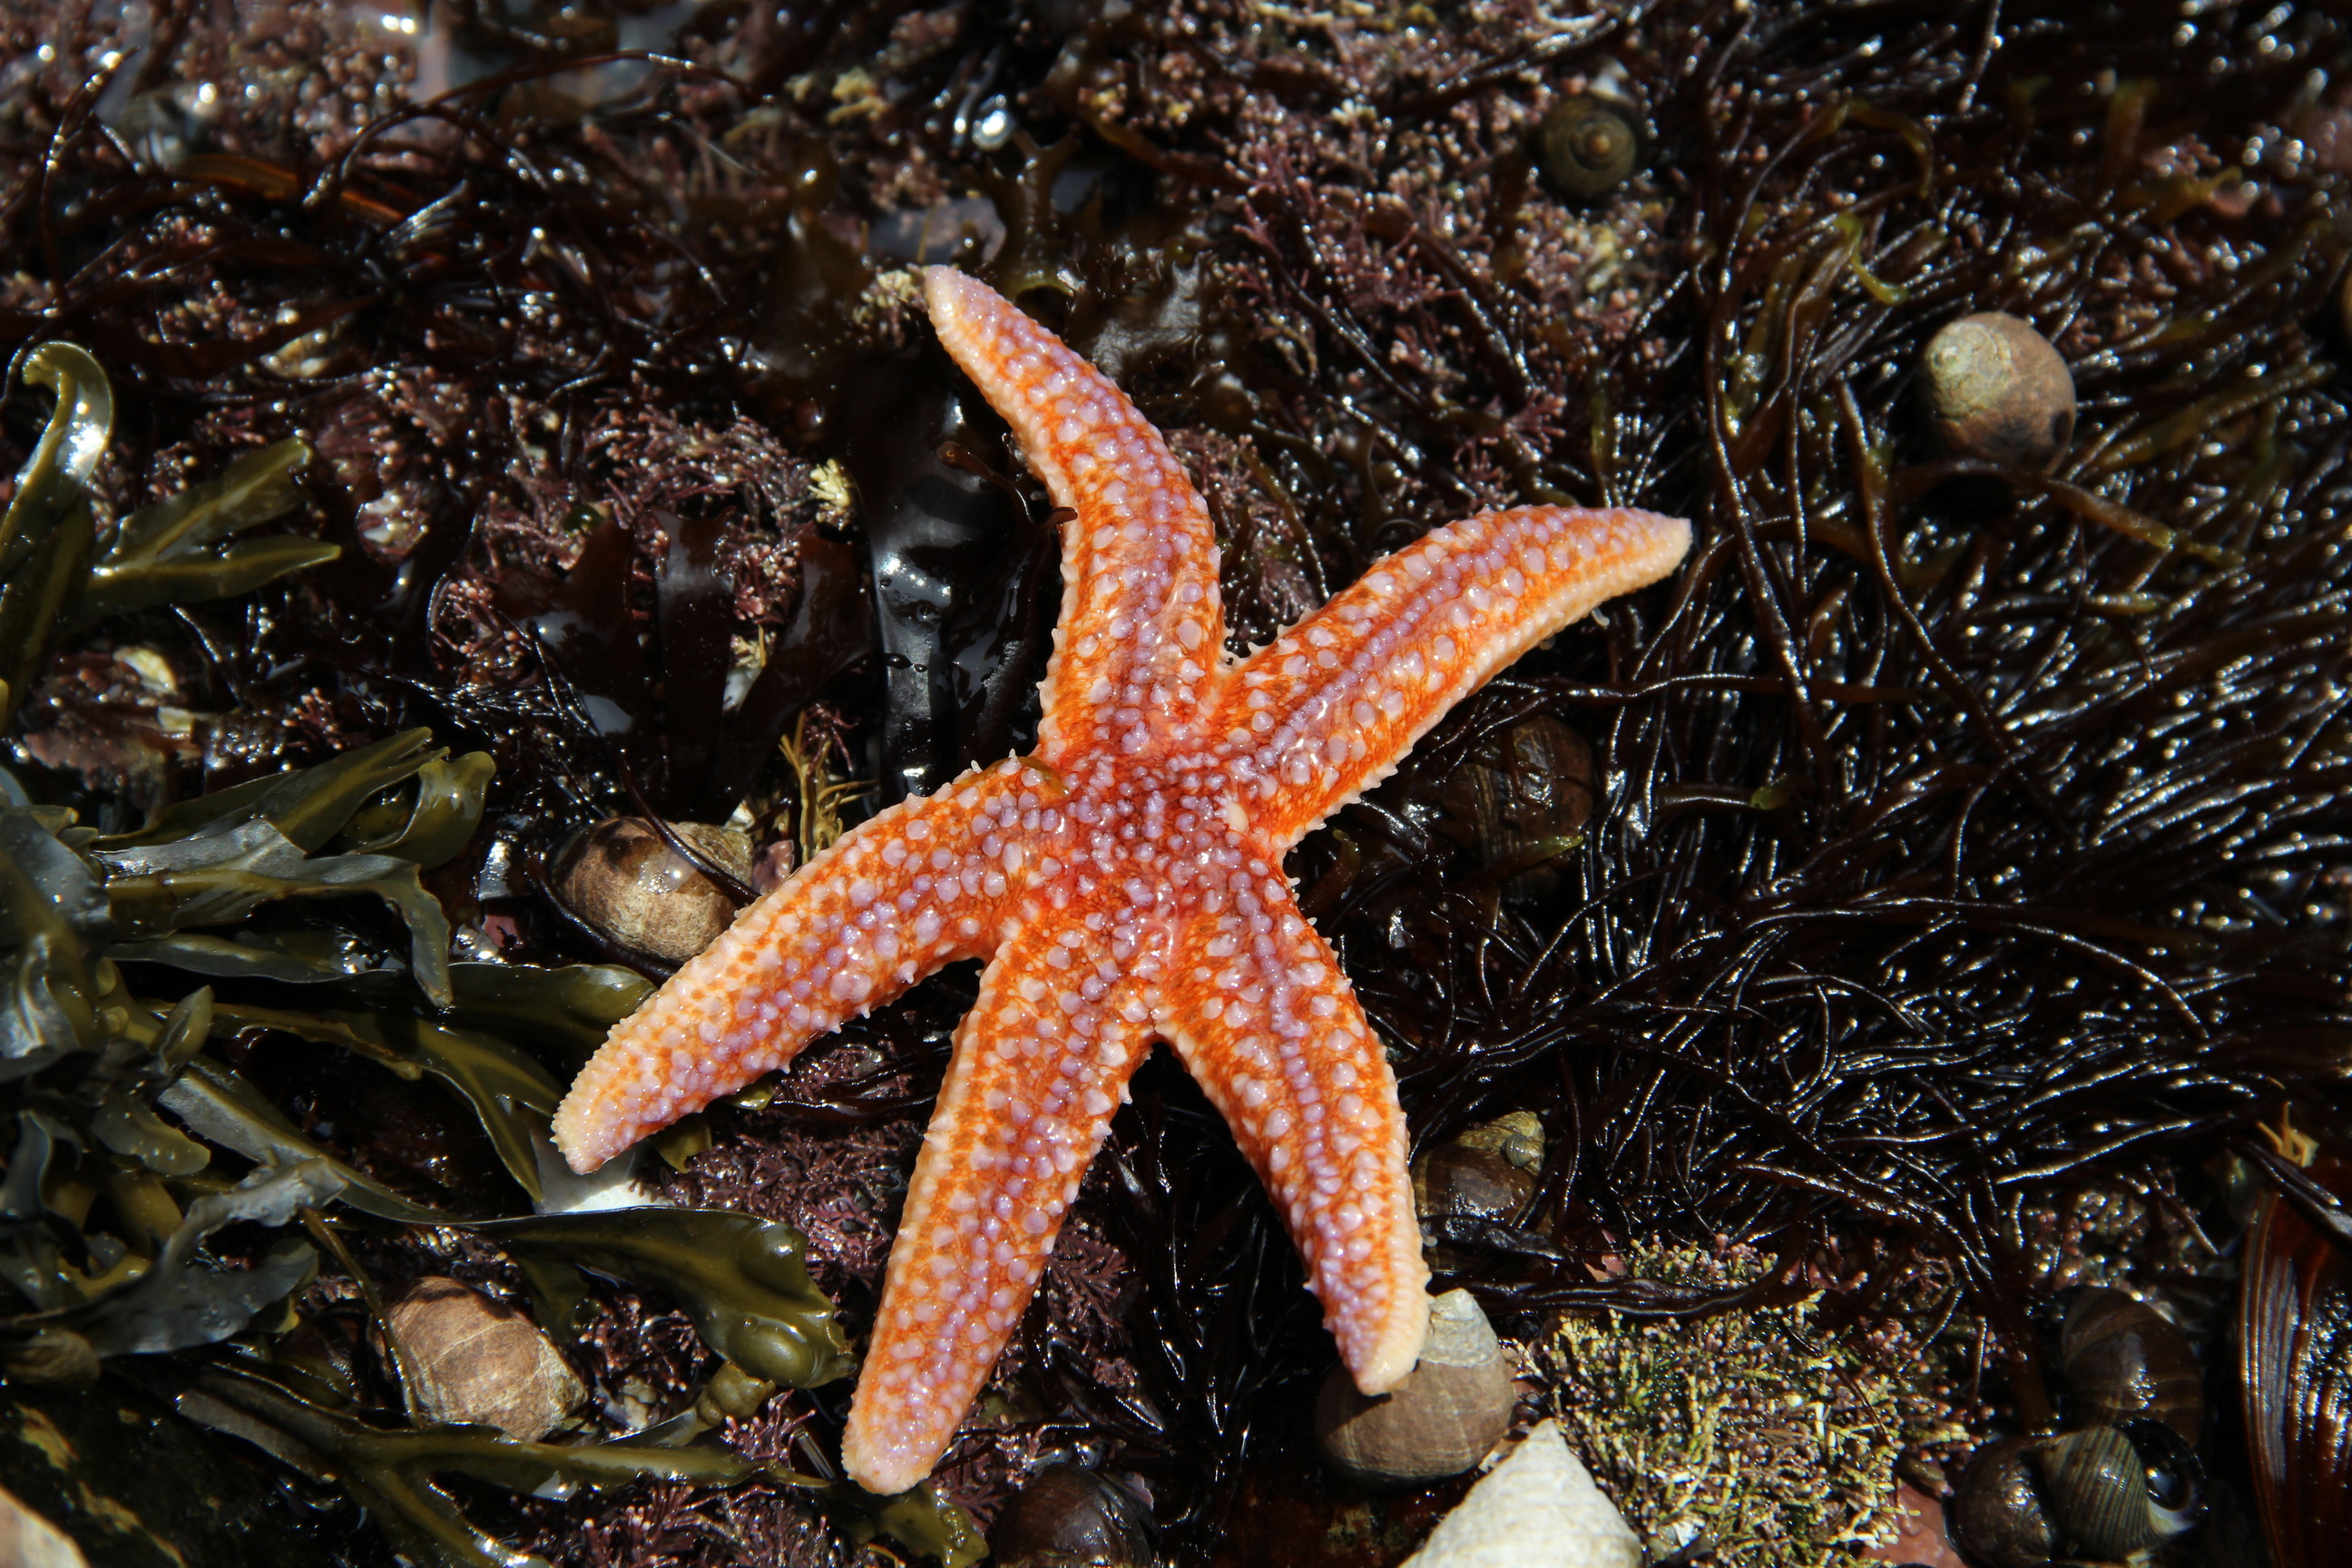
(1125, 885)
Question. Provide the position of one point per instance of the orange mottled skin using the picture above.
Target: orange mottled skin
(1125, 886)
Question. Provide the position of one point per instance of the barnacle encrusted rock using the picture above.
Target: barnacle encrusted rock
(1538, 1509)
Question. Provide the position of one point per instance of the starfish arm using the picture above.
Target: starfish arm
(896, 898)
(1038, 1070)
(1141, 633)
(1257, 1006)
(1324, 713)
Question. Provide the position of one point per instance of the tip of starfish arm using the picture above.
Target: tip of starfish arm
(1674, 533)
(577, 1138)
(879, 1466)
(1396, 1349)
(946, 290)
(1665, 541)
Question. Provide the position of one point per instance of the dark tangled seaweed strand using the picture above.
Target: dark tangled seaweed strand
(1957, 835)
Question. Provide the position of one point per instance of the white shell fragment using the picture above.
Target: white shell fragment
(1538, 1509)
(29, 1541)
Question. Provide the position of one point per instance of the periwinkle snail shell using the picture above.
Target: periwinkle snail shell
(1069, 1515)
(2124, 1360)
(1997, 1514)
(1443, 1419)
(2098, 1492)
(1588, 147)
(2081, 1495)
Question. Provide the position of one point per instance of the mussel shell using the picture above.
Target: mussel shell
(2125, 1361)
(1588, 145)
(2294, 1347)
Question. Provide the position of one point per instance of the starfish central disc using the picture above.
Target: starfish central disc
(1125, 886)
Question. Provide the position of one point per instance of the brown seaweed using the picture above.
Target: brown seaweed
(1960, 837)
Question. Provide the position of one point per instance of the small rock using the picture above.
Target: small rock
(1919, 1541)
(622, 878)
(1996, 389)
(29, 1541)
(477, 1361)
(1447, 1415)
(1067, 1515)
(1538, 1509)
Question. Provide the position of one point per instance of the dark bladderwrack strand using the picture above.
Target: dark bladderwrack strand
(1945, 893)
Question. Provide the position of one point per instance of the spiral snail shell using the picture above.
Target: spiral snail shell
(1999, 1514)
(2085, 1495)
(2097, 1487)
(1439, 1421)
(1588, 145)
(2125, 1361)
(1068, 1515)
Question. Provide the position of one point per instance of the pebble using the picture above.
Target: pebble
(29, 1541)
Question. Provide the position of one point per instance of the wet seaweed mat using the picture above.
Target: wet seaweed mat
(1934, 887)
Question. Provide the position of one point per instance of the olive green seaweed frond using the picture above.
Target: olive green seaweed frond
(128, 1141)
(60, 572)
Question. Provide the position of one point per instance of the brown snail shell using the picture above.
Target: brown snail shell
(2098, 1489)
(1588, 145)
(1444, 1417)
(2125, 1361)
(1454, 1183)
(1998, 1512)
(474, 1360)
(2084, 1496)
(1522, 799)
(624, 879)
(1068, 1516)
(1997, 389)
